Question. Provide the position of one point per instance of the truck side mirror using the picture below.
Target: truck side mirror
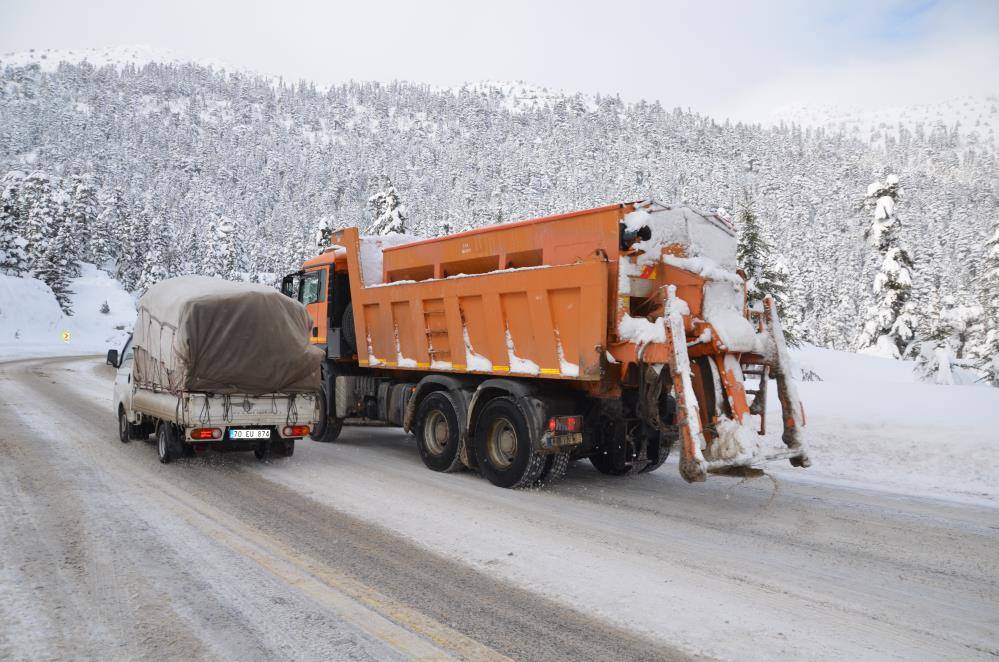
(113, 357)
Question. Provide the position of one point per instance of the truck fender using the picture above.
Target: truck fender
(435, 383)
(523, 393)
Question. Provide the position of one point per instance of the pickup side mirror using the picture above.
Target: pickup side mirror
(113, 357)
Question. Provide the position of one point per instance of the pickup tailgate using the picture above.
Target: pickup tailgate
(202, 409)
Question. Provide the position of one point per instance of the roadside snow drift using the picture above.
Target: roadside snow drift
(31, 323)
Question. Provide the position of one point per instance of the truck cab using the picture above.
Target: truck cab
(322, 286)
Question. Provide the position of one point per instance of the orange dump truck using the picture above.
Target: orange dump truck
(610, 334)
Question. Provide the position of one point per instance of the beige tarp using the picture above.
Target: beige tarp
(195, 333)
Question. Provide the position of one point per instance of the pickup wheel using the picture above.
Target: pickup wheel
(503, 446)
(123, 426)
(438, 432)
(167, 443)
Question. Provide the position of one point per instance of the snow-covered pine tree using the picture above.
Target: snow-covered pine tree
(154, 263)
(987, 352)
(386, 209)
(325, 227)
(207, 262)
(755, 256)
(109, 228)
(227, 251)
(83, 215)
(52, 268)
(13, 257)
(891, 321)
(68, 238)
(132, 246)
(41, 210)
(944, 356)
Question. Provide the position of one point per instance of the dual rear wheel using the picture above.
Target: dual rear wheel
(501, 442)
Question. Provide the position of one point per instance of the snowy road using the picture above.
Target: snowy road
(354, 550)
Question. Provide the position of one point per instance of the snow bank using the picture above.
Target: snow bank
(31, 322)
(872, 422)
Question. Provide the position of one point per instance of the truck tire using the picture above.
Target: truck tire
(438, 432)
(329, 427)
(123, 426)
(347, 330)
(554, 470)
(167, 444)
(263, 451)
(289, 448)
(503, 447)
(611, 455)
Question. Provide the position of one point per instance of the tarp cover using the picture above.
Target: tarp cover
(195, 333)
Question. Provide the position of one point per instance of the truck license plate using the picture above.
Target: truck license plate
(249, 434)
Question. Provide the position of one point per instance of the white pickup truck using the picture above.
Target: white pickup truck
(217, 366)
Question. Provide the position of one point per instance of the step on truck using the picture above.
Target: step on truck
(218, 365)
(611, 334)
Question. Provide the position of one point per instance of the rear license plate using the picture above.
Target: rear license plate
(249, 434)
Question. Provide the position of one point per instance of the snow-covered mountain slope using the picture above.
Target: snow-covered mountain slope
(31, 323)
(971, 118)
(173, 147)
(117, 56)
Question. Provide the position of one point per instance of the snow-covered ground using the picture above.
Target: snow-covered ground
(31, 323)
(870, 421)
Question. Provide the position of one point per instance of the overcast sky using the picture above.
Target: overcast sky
(727, 58)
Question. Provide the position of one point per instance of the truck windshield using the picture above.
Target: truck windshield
(311, 290)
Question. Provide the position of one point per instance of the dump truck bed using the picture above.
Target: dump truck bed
(538, 321)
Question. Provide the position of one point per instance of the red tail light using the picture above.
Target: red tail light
(294, 430)
(205, 434)
(565, 424)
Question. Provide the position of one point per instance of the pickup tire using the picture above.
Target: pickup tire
(438, 432)
(503, 446)
(124, 427)
(168, 445)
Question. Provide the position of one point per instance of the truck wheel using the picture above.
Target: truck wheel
(347, 330)
(262, 451)
(503, 446)
(611, 455)
(330, 426)
(438, 432)
(123, 426)
(166, 443)
(554, 470)
(289, 448)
